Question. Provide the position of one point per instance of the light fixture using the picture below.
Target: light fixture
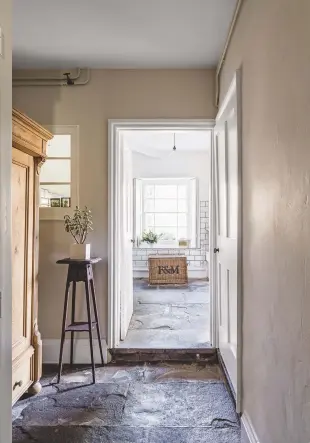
(174, 146)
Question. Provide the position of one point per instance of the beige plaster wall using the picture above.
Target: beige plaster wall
(272, 45)
(110, 94)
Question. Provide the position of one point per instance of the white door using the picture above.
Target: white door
(227, 252)
(126, 276)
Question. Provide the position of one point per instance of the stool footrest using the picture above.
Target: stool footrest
(80, 326)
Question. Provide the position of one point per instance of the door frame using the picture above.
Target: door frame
(116, 127)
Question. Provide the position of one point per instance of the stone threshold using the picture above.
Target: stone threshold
(129, 355)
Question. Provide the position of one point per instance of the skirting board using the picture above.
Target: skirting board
(81, 351)
(248, 434)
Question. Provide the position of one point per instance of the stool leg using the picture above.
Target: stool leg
(63, 330)
(90, 330)
(72, 321)
(92, 286)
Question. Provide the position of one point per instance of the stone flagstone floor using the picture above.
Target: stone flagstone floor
(175, 317)
(160, 403)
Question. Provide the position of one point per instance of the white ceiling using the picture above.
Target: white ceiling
(119, 33)
(159, 143)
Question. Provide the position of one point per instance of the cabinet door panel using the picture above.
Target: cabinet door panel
(22, 250)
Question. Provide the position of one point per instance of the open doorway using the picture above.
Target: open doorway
(164, 214)
(170, 172)
(225, 232)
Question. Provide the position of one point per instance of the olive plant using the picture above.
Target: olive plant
(79, 224)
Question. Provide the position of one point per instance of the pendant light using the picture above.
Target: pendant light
(174, 147)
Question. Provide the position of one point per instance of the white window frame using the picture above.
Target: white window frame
(58, 213)
(193, 208)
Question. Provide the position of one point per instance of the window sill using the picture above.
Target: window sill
(164, 246)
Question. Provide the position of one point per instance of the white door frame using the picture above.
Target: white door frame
(116, 127)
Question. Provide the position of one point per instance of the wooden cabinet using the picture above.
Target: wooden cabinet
(28, 153)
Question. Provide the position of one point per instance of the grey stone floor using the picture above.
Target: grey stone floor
(170, 317)
(130, 404)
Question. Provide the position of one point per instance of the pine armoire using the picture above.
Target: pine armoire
(29, 141)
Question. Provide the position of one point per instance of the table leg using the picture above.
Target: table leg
(90, 329)
(92, 286)
(63, 331)
(72, 321)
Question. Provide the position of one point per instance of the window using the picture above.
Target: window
(58, 177)
(167, 207)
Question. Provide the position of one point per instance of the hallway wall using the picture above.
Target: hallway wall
(5, 219)
(271, 45)
(110, 94)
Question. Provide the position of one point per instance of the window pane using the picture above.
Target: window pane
(182, 219)
(48, 192)
(59, 146)
(165, 219)
(182, 233)
(182, 191)
(170, 233)
(166, 205)
(149, 221)
(182, 205)
(149, 205)
(56, 171)
(149, 191)
(166, 191)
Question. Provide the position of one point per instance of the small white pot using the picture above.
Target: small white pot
(81, 252)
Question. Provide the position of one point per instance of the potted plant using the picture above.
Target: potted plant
(79, 226)
(150, 237)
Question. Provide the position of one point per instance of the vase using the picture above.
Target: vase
(80, 251)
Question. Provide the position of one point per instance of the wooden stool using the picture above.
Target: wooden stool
(80, 271)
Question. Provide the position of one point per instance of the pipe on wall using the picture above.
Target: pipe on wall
(55, 82)
(222, 59)
(74, 77)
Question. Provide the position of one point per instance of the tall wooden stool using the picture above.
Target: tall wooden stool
(80, 271)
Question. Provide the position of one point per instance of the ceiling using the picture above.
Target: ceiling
(158, 143)
(119, 33)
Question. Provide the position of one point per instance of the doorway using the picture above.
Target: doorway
(225, 203)
(168, 163)
(171, 181)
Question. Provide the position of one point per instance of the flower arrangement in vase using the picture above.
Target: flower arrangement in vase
(79, 225)
(150, 237)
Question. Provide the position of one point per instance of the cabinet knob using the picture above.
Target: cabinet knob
(215, 250)
(17, 384)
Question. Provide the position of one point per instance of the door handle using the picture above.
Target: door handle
(215, 250)
(132, 240)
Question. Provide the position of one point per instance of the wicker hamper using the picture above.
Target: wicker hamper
(167, 270)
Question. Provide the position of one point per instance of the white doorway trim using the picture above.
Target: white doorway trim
(116, 128)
